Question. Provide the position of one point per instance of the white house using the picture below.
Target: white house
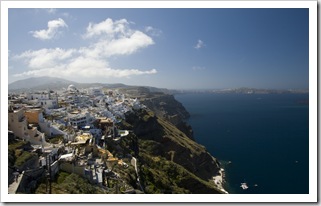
(17, 123)
(80, 119)
(48, 100)
(95, 91)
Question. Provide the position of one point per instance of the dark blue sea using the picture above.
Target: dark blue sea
(260, 139)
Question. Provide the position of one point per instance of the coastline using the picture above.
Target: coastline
(292, 115)
(219, 179)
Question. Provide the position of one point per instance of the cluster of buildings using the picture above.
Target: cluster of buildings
(84, 122)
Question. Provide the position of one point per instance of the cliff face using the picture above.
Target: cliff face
(174, 144)
(170, 161)
(162, 148)
(166, 107)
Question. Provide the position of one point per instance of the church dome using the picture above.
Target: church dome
(71, 88)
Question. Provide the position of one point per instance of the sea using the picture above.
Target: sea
(259, 139)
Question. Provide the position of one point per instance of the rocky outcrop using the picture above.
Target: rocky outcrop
(167, 107)
(161, 139)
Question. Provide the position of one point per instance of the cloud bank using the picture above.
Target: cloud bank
(110, 38)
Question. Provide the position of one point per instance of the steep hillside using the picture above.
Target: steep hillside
(170, 162)
(166, 107)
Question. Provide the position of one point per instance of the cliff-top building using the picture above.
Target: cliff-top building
(48, 100)
(17, 123)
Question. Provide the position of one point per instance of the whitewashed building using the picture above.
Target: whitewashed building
(48, 100)
(95, 91)
(17, 123)
(80, 119)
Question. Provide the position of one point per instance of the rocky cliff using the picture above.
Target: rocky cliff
(167, 107)
(170, 161)
(164, 105)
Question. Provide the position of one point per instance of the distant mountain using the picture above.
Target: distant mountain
(54, 83)
(39, 83)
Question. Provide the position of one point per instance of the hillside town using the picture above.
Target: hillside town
(72, 131)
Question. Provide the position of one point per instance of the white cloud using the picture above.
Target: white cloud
(52, 31)
(199, 44)
(51, 10)
(108, 28)
(87, 67)
(45, 58)
(124, 45)
(66, 14)
(153, 31)
(115, 39)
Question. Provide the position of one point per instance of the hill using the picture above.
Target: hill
(54, 83)
(39, 83)
(169, 161)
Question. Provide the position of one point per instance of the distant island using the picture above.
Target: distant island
(246, 90)
(42, 83)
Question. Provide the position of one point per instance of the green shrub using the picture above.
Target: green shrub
(61, 177)
(23, 158)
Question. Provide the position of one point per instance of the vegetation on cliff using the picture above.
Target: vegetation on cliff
(18, 153)
(169, 161)
(66, 183)
(167, 108)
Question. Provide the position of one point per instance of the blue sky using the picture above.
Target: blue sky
(168, 48)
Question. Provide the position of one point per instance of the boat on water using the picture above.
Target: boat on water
(244, 186)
